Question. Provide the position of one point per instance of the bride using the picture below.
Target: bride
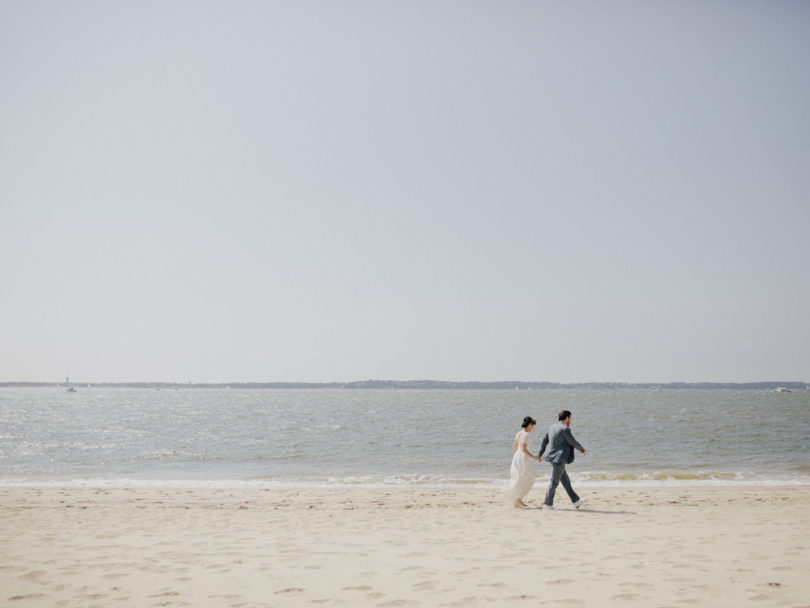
(522, 476)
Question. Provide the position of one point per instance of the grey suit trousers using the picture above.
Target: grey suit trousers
(558, 475)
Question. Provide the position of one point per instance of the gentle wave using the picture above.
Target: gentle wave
(256, 483)
(672, 475)
(585, 480)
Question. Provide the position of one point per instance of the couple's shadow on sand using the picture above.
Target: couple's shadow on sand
(586, 510)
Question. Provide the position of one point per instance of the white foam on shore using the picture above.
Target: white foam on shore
(416, 482)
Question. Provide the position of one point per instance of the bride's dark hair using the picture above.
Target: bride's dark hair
(527, 421)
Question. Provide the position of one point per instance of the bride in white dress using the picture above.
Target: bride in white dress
(521, 474)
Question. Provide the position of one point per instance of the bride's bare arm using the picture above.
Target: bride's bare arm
(526, 451)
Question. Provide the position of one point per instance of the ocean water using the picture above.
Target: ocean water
(269, 438)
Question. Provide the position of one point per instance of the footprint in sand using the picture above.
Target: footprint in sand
(34, 575)
(165, 594)
(637, 585)
(290, 590)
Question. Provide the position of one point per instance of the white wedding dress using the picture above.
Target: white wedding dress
(521, 474)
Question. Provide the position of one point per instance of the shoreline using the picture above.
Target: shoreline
(408, 483)
(416, 546)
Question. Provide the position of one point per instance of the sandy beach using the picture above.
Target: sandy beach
(651, 547)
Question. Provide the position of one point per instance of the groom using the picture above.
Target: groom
(558, 449)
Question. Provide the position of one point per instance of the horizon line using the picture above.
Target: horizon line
(416, 383)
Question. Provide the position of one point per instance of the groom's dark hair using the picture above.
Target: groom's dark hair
(563, 415)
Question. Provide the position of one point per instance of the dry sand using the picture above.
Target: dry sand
(650, 547)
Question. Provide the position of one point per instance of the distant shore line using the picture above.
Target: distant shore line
(422, 384)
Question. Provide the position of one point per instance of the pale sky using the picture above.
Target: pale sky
(335, 191)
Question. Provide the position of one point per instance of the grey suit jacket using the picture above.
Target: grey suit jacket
(558, 445)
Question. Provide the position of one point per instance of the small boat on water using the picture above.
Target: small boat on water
(782, 389)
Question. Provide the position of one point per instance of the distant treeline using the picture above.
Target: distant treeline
(426, 384)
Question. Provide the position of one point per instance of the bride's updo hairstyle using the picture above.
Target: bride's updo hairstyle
(527, 421)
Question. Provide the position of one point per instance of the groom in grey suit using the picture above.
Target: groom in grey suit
(558, 449)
